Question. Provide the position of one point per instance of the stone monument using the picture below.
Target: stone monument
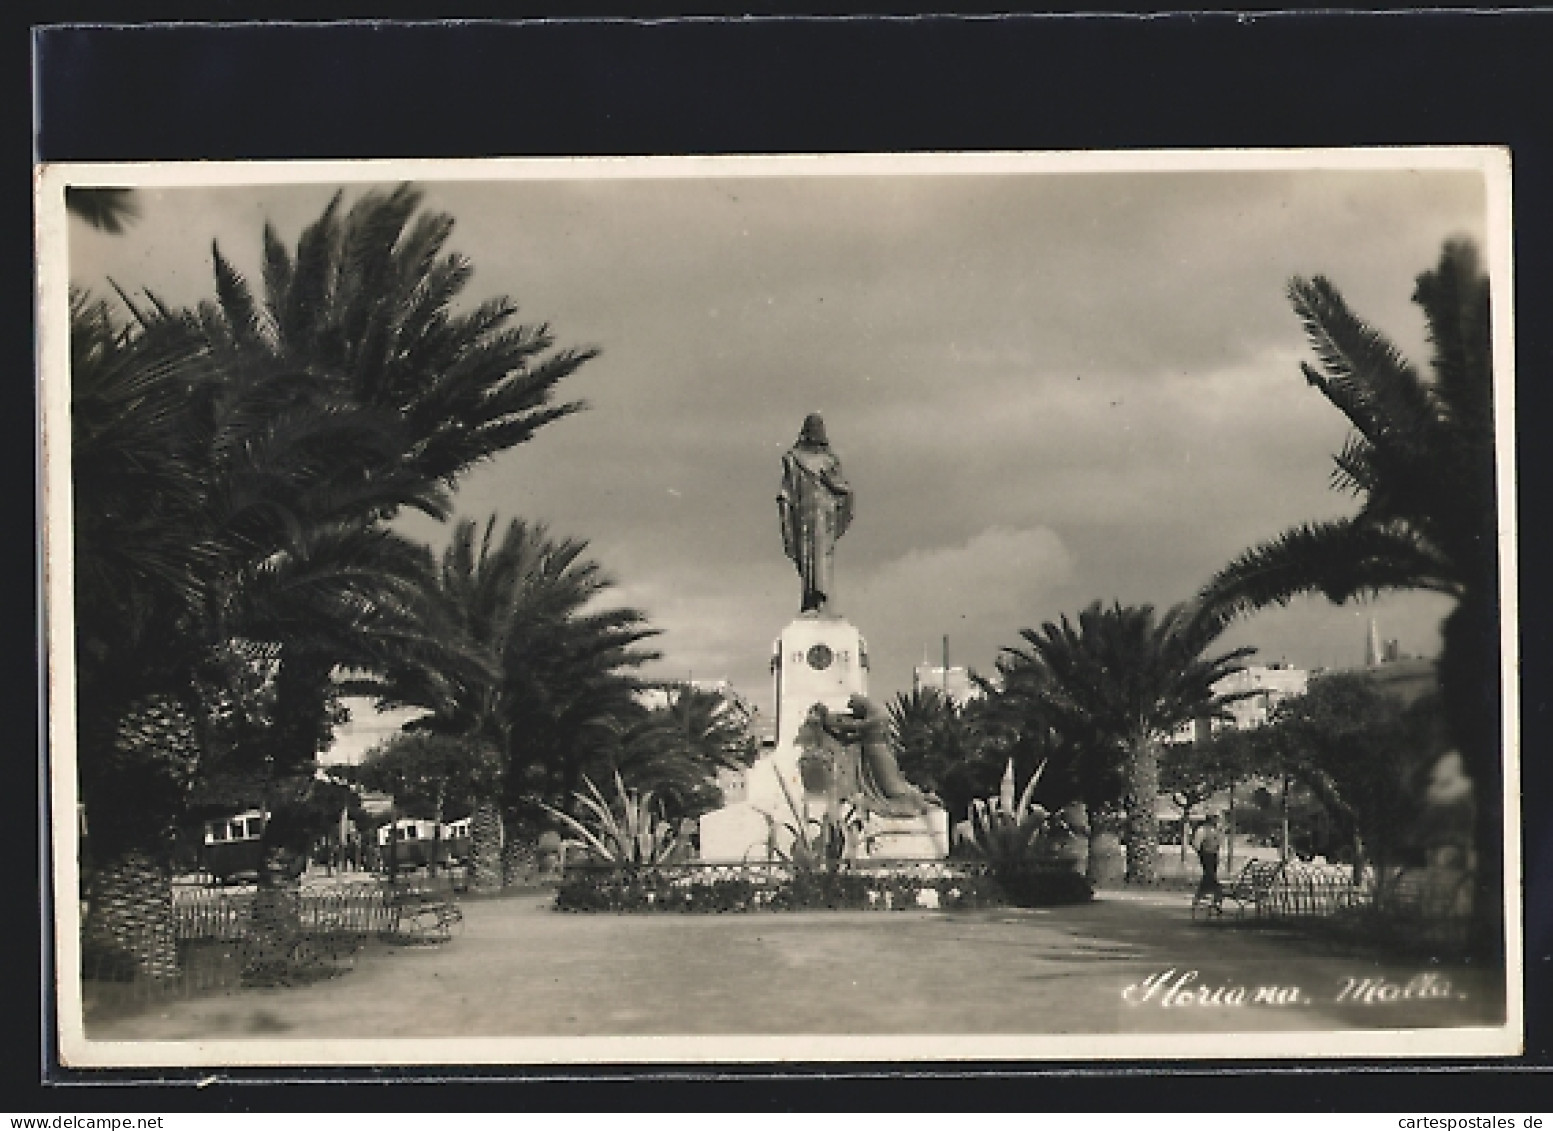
(819, 667)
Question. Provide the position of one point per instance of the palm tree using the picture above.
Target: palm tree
(675, 750)
(940, 746)
(361, 318)
(552, 692)
(142, 563)
(1115, 684)
(280, 438)
(1421, 463)
(479, 588)
(212, 505)
(366, 307)
(568, 681)
(110, 210)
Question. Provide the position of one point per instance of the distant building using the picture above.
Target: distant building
(1378, 651)
(1408, 678)
(1268, 685)
(1263, 687)
(956, 683)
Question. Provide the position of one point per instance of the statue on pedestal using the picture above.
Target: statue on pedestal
(815, 505)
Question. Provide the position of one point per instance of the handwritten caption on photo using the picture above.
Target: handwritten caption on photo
(1172, 988)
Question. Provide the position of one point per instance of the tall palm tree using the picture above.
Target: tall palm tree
(1115, 683)
(143, 562)
(553, 690)
(569, 679)
(362, 314)
(1420, 461)
(304, 423)
(211, 505)
(363, 317)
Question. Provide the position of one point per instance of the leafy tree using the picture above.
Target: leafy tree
(1421, 463)
(1115, 683)
(430, 775)
(1191, 773)
(1364, 755)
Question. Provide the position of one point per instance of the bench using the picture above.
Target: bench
(1249, 889)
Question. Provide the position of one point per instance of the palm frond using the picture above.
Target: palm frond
(1339, 559)
(1365, 375)
(110, 210)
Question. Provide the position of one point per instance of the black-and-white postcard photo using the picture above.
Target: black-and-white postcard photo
(969, 607)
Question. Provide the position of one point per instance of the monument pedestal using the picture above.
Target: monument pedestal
(817, 659)
(909, 838)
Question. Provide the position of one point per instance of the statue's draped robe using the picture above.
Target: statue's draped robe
(816, 509)
(860, 765)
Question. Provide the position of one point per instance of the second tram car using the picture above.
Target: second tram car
(457, 836)
(415, 842)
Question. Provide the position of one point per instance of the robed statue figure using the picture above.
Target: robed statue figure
(847, 755)
(816, 508)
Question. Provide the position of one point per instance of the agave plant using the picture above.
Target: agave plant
(630, 834)
(1003, 829)
(816, 845)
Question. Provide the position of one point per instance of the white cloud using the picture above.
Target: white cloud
(975, 592)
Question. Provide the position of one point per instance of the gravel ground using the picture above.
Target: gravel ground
(521, 969)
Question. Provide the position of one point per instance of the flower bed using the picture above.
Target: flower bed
(923, 886)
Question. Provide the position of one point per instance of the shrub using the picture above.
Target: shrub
(935, 886)
(816, 845)
(628, 835)
(1002, 831)
(1045, 887)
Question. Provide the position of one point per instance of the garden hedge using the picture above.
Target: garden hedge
(738, 888)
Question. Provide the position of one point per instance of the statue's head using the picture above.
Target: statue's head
(813, 432)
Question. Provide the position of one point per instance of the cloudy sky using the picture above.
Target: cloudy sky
(1045, 388)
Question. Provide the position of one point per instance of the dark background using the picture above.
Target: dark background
(616, 82)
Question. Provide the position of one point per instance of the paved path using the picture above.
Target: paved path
(521, 969)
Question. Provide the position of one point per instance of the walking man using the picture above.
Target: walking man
(1208, 842)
